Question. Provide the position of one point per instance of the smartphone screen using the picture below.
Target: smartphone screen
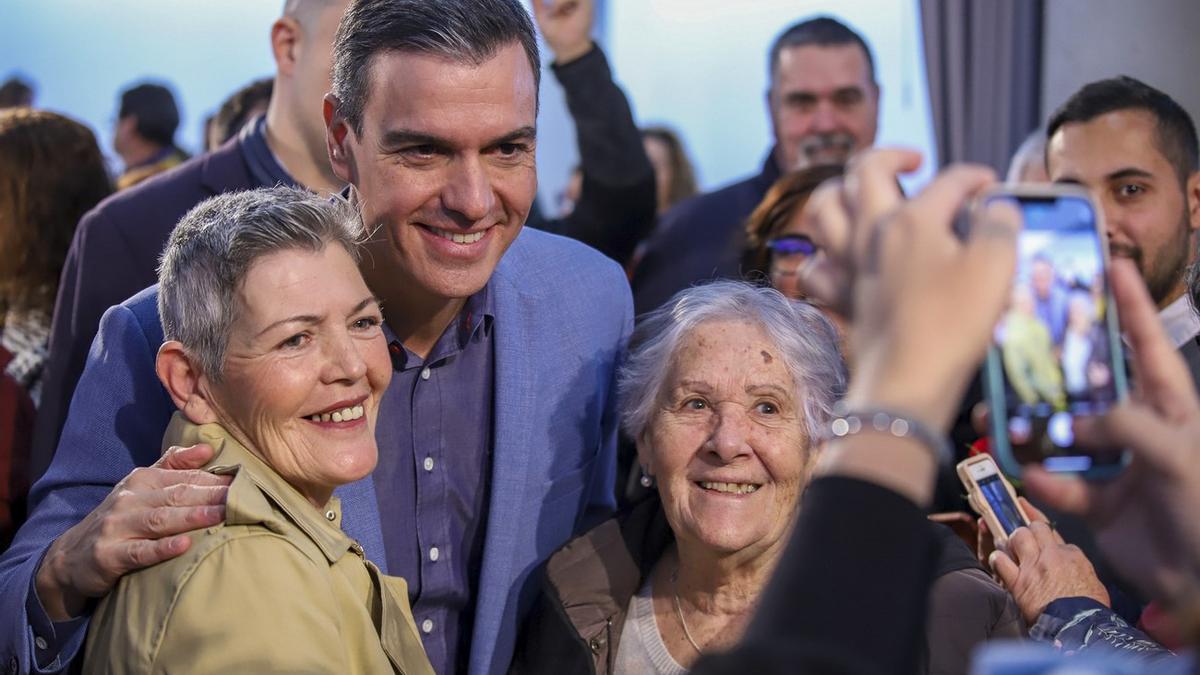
(1057, 352)
(1001, 502)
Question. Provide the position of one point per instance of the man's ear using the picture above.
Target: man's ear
(337, 137)
(285, 36)
(185, 382)
(1193, 200)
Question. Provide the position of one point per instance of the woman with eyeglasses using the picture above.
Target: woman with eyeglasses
(777, 243)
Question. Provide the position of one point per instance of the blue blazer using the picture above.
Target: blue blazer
(563, 318)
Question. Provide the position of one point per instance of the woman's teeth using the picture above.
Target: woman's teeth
(732, 488)
(459, 238)
(343, 415)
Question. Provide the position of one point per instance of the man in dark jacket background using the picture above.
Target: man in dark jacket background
(824, 104)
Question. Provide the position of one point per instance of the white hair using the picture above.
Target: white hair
(808, 342)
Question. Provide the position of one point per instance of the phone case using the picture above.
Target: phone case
(979, 503)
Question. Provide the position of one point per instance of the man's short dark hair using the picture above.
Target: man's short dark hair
(154, 107)
(1176, 131)
(16, 93)
(468, 31)
(823, 31)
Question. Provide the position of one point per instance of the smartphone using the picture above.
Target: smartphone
(991, 496)
(1057, 351)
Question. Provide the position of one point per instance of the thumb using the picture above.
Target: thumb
(190, 457)
(1005, 568)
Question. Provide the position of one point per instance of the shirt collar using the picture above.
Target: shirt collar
(1180, 321)
(264, 166)
(473, 323)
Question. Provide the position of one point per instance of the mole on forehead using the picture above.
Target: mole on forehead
(766, 356)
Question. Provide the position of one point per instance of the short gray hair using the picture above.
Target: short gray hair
(808, 341)
(463, 31)
(215, 244)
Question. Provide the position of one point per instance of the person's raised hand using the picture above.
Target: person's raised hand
(1145, 519)
(922, 302)
(1038, 567)
(138, 524)
(566, 26)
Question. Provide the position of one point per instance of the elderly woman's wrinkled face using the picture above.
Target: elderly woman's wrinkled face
(305, 368)
(729, 445)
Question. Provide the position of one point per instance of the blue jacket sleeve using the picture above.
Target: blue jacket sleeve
(601, 501)
(1074, 625)
(115, 424)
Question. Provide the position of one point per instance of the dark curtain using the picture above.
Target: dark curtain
(984, 63)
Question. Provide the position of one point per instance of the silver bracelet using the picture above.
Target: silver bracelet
(850, 422)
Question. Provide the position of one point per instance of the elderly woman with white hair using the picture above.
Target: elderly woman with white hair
(274, 356)
(726, 392)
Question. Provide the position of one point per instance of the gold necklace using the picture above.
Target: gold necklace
(679, 611)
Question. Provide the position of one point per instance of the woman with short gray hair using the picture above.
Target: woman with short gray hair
(274, 356)
(727, 391)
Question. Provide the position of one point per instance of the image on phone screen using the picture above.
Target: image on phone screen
(1001, 502)
(1057, 345)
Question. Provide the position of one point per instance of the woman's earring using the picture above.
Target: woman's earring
(647, 481)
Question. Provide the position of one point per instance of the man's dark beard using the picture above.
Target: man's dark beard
(1172, 267)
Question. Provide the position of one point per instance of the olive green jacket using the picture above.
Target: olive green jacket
(277, 588)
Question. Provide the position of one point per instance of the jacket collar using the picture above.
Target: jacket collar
(223, 167)
(770, 171)
(258, 495)
(603, 568)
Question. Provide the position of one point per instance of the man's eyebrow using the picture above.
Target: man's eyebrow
(1068, 180)
(398, 137)
(526, 133)
(1129, 172)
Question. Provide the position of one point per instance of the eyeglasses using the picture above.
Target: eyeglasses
(792, 245)
(790, 251)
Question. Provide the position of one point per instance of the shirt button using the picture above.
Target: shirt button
(434, 554)
(425, 373)
(330, 515)
(40, 642)
(428, 464)
(427, 626)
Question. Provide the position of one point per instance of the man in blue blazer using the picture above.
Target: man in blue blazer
(498, 432)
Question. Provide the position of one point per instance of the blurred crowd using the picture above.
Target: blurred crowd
(336, 395)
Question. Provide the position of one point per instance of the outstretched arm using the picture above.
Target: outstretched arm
(616, 208)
